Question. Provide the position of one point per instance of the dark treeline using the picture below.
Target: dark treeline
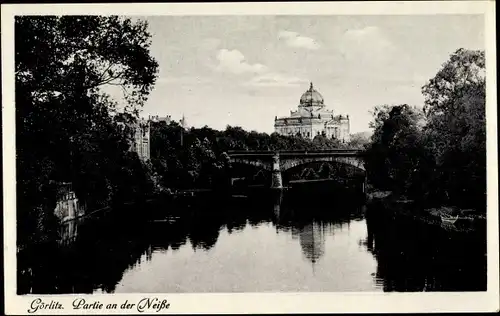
(436, 154)
(195, 157)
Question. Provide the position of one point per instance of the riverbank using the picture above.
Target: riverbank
(449, 218)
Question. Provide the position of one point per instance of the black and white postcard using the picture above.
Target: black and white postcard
(250, 158)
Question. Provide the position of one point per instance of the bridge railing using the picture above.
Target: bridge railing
(295, 152)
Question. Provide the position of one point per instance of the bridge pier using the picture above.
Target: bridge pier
(277, 182)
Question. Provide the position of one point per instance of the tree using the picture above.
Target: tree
(456, 130)
(65, 130)
(358, 140)
(392, 157)
(463, 70)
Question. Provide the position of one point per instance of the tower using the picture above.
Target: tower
(183, 125)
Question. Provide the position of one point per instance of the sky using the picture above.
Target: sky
(245, 70)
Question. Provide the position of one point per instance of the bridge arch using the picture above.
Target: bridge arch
(287, 164)
(278, 162)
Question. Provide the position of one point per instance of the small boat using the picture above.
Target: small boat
(449, 219)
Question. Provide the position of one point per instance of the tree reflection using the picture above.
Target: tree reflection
(204, 235)
(414, 256)
(89, 263)
(236, 221)
(201, 224)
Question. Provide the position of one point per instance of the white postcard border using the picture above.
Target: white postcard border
(258, 302)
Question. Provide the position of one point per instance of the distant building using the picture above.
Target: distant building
(141, 134)
(312, 118)
(155, 118)
(142, 144)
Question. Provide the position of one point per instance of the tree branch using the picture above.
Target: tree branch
(104, 72)
(106, 81)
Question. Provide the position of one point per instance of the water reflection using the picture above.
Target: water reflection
(312, 241)
(270, 243)
(104, 248)
(311, 224)
(413, 256)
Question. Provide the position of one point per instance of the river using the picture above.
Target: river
(249, 244)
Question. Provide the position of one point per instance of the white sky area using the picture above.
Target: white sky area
(245, 70)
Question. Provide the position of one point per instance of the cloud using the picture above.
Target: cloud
(293, 39)
(370, 56)
(209, 44)
(233, 61)
(368, 42)
(274, 79)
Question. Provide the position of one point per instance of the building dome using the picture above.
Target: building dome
(311, 97)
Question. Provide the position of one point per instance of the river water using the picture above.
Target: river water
(266, 244)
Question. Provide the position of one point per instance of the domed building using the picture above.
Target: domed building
(313, 118)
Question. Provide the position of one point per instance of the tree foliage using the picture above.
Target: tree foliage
(66, 131)
(438, 154)
(393, 157)
(456, 126)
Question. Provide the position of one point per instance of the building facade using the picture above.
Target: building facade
(142, 143)
(156, 118)
(139, 130)
(313, 118)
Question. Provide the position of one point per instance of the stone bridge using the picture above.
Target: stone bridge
(279, 161)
